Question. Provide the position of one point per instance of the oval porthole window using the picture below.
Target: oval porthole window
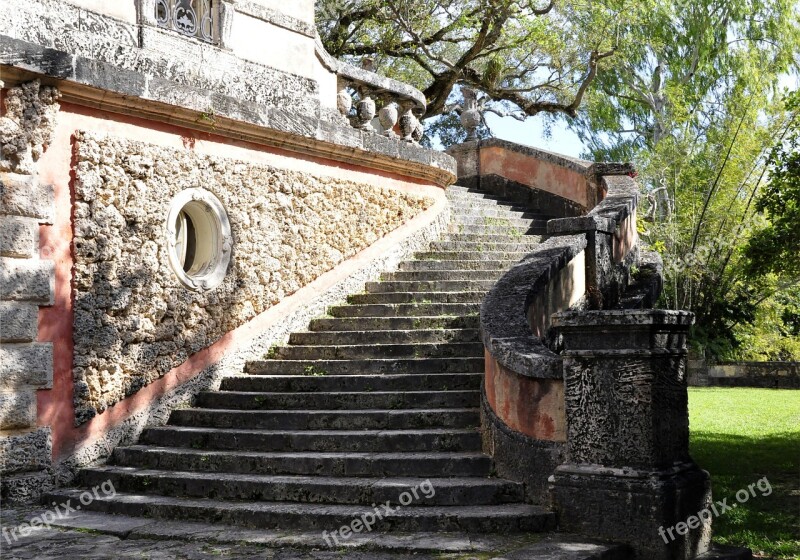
(199, 239)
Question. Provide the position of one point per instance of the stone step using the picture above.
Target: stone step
(327, 419)
(364, 545)
(385, 337)
(506, 231)
(504, 518)
(424, 265)
(433, 275)
(383, 287)
(394, 323)
(483, 247)
(470, 256)
(323, 383)
(365, 366)
(509, 222)
(467, 203)
(418, 297)
(463, 491)
(470, 238)
(459, 211)
(471, 192)
(405, 310)
(362, 441)
(393, 400)
(378, 351)
(474, 195)
(441, 464)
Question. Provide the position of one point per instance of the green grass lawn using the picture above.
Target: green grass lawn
(741, 436)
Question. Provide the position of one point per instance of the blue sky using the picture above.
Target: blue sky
(531, 133)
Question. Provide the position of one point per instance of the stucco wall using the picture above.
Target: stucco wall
(133, 320)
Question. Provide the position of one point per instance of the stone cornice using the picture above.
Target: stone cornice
(100, 85)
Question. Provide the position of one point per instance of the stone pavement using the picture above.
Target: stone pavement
(97, 536)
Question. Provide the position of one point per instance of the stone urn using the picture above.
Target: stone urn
(366, 112)
(388, 117)
(344, 103)
(470, 115)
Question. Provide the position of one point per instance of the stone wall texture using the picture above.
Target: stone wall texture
(26, 284)
(134, 321)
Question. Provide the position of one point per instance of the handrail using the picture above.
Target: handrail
(510, 331)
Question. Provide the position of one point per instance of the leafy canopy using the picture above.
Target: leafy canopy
(537, 56)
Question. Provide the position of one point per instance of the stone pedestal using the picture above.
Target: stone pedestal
(628, 476)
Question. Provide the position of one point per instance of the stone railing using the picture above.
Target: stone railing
(585, 398)
(585, 262)
(360, 91)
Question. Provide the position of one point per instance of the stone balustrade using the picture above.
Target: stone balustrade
(585, 396)
(362, 95)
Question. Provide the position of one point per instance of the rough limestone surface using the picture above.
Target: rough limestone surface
(134, 321)
(27, 125)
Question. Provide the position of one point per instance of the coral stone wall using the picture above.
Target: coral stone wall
(134, 321)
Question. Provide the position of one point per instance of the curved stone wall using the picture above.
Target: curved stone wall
(584, 265)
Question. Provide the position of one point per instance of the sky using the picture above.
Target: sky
(531, 133)
(563, 140)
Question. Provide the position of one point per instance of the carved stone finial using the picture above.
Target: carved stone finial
(368, 64)
(389, 116)
(470, 115)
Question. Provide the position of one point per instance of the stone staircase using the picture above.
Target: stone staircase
(371, 402)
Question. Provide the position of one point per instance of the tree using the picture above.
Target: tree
(694, 104)
(776, 248)
(685, 89)
(540, 57)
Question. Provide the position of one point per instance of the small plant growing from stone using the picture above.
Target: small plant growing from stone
(272, 353)
(209, 116)
(314, 371)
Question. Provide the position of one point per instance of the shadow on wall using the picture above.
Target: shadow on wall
(134, 321)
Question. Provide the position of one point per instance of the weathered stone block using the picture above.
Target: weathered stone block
(24, 195)
(17, 237)
(27, 280)
(27, 487)
(26, 364)
(636, 508)
(632, 380)
(18, 409)
(628, 475)
(25, 452)
(18, 322)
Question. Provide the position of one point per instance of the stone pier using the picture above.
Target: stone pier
(628, 476)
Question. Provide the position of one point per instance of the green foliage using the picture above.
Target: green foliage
(536, 55)
(741, 436)
(313, 371)
(776, 248)
(693, 102)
